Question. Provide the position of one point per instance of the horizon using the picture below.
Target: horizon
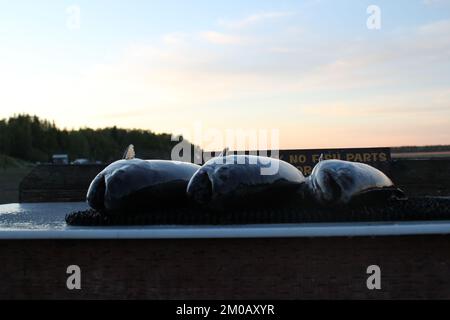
(311, 69)
(169, 133)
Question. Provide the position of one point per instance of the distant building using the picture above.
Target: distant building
(60, 159)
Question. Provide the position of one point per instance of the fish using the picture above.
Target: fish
(135, 184)
(337, 183)
(241, 181)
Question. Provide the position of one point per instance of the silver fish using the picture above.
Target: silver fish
(337, 182)
(244, 180)
(133, 183)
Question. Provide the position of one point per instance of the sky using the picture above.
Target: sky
(314, 70)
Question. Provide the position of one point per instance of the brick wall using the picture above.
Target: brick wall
(291, 268)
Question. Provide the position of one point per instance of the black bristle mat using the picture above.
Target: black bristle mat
(420, 208)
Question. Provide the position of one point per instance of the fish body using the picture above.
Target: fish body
(337, 182)
(137, 184)
(244, 180)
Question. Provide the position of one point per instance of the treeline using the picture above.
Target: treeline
(411, 149)
(33, 139)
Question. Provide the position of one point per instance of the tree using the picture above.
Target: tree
(33, 139)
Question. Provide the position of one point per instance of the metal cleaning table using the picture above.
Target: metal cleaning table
(46, 221)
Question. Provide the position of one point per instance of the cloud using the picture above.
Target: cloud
(329, 85)
(221, 38)
(253, 19)
(174, 38)
(324, 91)
(436, 2)
(417, 57)
(432, 104)
(441, 27)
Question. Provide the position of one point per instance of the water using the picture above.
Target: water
(37, 216)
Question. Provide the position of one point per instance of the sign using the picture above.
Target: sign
(306, 159)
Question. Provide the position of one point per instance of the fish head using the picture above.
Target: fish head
(200, 186)
(331, 182)
(98, 188)
(96, 193)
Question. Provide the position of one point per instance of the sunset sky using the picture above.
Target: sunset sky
(311, 69)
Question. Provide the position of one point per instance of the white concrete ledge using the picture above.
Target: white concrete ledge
(236, 231)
